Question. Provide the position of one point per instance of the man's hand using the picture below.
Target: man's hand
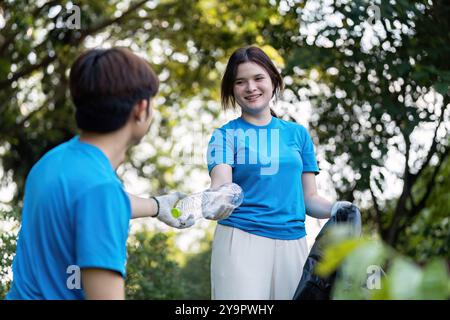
(339, 205)
(166, 203)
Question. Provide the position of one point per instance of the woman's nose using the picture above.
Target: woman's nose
(251, 86)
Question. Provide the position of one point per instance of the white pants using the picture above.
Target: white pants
(250, 267)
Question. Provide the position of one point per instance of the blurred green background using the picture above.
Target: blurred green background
(370, 79)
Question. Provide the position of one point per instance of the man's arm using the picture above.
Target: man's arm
(142, 207)
(161, 210)
(102, 284)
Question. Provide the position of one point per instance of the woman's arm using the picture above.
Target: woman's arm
(316, 206)
(142, 207)
(221, 174)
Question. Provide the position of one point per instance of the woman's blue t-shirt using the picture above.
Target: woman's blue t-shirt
(267, 162)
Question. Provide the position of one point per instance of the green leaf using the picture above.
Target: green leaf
(383, 293)
(435, 281)
(335, 254)
(404, 280)
(441, 87)
(359, 271)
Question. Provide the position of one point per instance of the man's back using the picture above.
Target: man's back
(75, 215)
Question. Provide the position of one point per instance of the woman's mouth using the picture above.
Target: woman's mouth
(252, 97)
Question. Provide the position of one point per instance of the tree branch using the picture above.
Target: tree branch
(431, 183)
(36, 12)
(47, 60)
(377, 212)
(409, 179)
(416, 209)
(103, 24)
(27, 70)
(401, 203)
(433, 147)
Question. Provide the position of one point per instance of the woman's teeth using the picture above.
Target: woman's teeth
(254, 97)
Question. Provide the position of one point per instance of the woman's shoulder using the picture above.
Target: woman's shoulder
(295, 130)
(292, 125)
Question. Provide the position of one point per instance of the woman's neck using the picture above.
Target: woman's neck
(260, 119)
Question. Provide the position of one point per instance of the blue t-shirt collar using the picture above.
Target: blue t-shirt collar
(271, 124)
(76, 141)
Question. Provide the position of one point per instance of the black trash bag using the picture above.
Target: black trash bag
(312, 286)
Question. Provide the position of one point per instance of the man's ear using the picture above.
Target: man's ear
(140, 110)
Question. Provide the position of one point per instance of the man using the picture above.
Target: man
(76, 214)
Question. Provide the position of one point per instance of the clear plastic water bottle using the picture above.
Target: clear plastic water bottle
(209, 201)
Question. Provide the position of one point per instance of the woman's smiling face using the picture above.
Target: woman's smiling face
(253, 88)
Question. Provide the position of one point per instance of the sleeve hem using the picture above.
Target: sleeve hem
(122, 272)
(212, 166)
(314, 170)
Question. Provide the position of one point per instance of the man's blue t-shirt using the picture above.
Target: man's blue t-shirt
(267, 162)
(75, 215)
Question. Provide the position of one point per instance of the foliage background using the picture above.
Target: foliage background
(369, 78)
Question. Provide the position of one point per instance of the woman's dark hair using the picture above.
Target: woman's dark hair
(105, 84)
(247, 54)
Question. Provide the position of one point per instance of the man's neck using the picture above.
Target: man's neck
(114, 145)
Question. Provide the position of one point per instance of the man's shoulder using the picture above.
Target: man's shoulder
(51, 154)
(51, 163)
(72, 166)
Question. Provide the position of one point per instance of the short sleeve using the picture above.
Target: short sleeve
(221, 148)
(102, 216)
(307, 153)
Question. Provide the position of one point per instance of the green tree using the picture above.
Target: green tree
(197, 270)
(428, 233)
(370, 269)
(373, 83)
(8, 240)
(152, 272)
(157, 269)
(378, 80)
(187, 43)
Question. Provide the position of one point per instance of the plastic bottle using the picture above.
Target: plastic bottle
(208, 202)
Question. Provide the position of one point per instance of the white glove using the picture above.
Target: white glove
(166, 203)
(212, 212)
(339, 205)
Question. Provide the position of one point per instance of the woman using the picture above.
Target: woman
(260, 249)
